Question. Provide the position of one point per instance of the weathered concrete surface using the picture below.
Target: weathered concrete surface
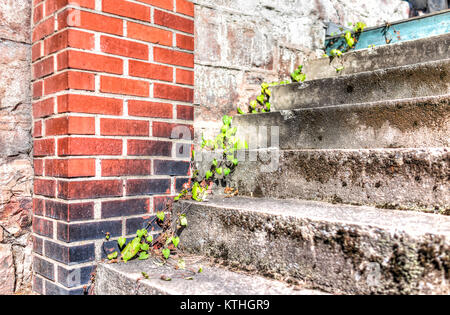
(415, 179)
(419, 80)
(241, 43)
(408, 123)
(381, 57)
(347, 249)
(122, 279)
(16, 171)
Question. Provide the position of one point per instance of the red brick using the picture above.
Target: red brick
(124, 86)
(69, 38)
(127, 9)
(89, 189)
(149, 148)
(149, 34)
(36, 52)
(172, 131)
(185, 7)
(90, 21)
(70, 126)
(44, 29)
(123, 47)
(185, 42)
(126, 167)
(150, 71)
(43, 68)
(74, 103)
(150, 109)
(88, 61)
(171, 92)
(55, 5)
(89, 146)
(44, 147)
(43, 108)
(185, 112)
(38, 13)
(69, 80)
(38, 88)
(173, 21)
(38, 165)
(185, 77)
(173, 57)
(70, 168)
(164, 4)
(44, 187)
(124, 127)
(37, 130)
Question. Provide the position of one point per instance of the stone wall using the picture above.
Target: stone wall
(16, 172)
(241, 43)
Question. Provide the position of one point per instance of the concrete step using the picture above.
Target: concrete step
(420, 122)
(347, 249)
(381, 57)
(414, 178)
(411, 81)
(127, 279)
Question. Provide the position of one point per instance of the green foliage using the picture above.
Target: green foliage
(166, 253)
(350, 37)
(183, 220)
(262, 102)
(160, 215)
(113, 256)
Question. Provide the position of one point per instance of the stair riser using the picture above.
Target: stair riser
(413, 123)
(334, 256)
(397, 179)
(429, 79)
(388, 56)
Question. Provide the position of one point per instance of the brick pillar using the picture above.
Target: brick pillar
(113, 93)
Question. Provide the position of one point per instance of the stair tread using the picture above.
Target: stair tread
(122, 278)
(407, 81)
(380, 57)
(409, 221)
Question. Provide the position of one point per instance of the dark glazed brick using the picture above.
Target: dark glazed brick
(160, 203)
(38, 284)
(74, 277)
(88, 231)
(137, 187)
(120, 208)
(44, 268)
(43, 227)
(172, 131)
(149, 148)
(69, 212)
(135, 224)
(38, 206)
(69, 255)
(38, 245)
(179, 182)
(172, 168)
(53, 289)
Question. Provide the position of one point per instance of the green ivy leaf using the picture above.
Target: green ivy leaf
(226, 171)
(240, 112)
(141, 233)
(235, 162)
(121, 241)
(175, 241)
(160, 215)
(150, 238)
(143, 256)
(219, 171)
(183, 220)
(208, 175)
(214, 163)
(227, 120)
(131, 249)
(260, 99)
(145, 247)
(113, 256)
(253, 104)
(166, 253)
